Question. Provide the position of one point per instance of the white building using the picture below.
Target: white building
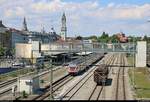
(29, 84)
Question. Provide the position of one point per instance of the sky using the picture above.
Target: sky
(84, 17)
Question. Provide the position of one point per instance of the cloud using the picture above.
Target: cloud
(122, 12)
(84, 17)
(47, 6)
(110, 5)
(17, 11)
(135, 12)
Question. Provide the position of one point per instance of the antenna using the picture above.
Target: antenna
(51, 23)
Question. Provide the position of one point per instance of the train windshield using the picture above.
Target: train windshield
(72, 65)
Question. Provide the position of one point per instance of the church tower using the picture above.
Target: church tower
(63, 33)
(24, 25)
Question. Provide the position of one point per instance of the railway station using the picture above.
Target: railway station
(100, 69)
(96, 50)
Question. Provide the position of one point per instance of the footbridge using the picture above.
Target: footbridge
(37, 50)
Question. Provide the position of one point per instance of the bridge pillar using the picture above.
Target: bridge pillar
(141, 54)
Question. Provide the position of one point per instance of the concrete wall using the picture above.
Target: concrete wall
(141, 54)
(23, 50)
(36, 46)
(45, 47)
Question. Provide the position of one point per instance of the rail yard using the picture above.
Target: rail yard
(65, 50)
(85, 85)
(98, 75)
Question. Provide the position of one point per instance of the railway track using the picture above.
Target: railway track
(5, 92)
(56, 86)
(123, 77)
(73, 91)
(97, 91)
(4, 84)
(8, 84)
(120, 88)
(13, 81)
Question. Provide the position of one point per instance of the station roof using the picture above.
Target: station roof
(84, 53)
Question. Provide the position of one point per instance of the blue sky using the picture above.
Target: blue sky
(84, 17)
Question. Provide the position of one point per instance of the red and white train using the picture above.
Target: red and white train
(83, 63)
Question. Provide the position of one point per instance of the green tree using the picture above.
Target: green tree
(79, 38)
(113, 39)
(145, 38)
(2, 50)
(93, 38)
(130, 38)
(104, 38)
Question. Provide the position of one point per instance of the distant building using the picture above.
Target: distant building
(43, 37)
(87, 41)
(18, 36)
(122, 38)
(5, 36)
(63, 33)
(10, 36)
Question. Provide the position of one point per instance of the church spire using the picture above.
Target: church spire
(24, 25)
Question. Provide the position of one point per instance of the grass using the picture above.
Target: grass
(142, 81)
(14, 74)
(130, 60)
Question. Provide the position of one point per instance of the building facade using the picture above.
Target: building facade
(5, 36)
(10, 36)
(43, 37)
(18, 37)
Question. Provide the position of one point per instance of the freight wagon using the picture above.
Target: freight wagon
(101, 74)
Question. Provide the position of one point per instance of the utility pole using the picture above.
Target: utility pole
(51, 79)
(103, 86)
(134, 63)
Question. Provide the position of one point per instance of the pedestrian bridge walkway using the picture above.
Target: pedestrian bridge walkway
(56, 48)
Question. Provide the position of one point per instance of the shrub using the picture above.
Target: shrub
(24, 94)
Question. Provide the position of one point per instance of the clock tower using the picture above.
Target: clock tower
(63, 33)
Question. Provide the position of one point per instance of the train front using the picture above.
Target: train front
(72, 69)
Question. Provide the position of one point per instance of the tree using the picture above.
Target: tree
(145, 38)
(113, 39)
(130, 38)
(79, 38)
(104, 35)
(2, 51)
(104, 38)
(93, 38)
